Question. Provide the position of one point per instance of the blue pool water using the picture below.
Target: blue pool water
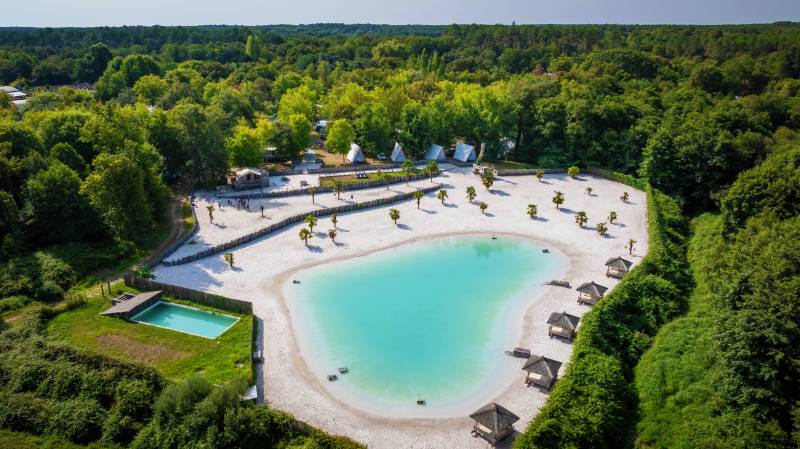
(429, 319)
(186, 319)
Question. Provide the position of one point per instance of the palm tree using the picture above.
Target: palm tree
(573, 171)
(625, 197)
(311, 221)
(394, 214)
(629, 246)
(589, 191)
(602, 228)
(383, 176)
(432, 168)
(210, 208)
(441, 195)
(539, 175)
(487, 179)
(483, 207)
(144, 272)
(418, 196)
(229, 259)
(612, 217)
(581, 218)
(332, 235)
(334, 220)
(407, 167)
(305, 234)
(337, 187)
(558, 199)
(532, 210)
(471, 193)
(312, 191)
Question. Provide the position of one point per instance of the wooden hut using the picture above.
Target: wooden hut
(248, 178)
(617, 267)
(493, 422)
(562, 324)
(541, 371)
(590, 293)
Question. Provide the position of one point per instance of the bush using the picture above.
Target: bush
(573, 171)
(13, 303)
(78, 420)
(23, 412)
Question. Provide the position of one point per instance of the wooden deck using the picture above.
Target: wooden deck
(128, 308)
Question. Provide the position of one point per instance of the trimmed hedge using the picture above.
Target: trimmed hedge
(594, 404)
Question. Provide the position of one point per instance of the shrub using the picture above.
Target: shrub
(573, 171)
(14, 302)
(23, 412)
(78, 420)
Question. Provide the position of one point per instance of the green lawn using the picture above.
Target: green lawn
(174, 354)
(188, 218)
(327, 181)
(21, 440)
(507, 165)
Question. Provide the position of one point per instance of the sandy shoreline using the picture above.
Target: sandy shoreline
(263, 266)
(283, 283)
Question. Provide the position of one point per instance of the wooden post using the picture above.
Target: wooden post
(102, 290)
(108, 284)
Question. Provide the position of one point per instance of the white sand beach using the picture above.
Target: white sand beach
(262, 267)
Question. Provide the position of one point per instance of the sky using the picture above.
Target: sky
(54, 13)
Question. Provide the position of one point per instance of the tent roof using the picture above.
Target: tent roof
(355, 154)
(592, 288)
(619, 263)
(464, 152)
(397, 153)
(542, 365)
(435, 153)
(495, 417)
(563, 319)
(247, 171)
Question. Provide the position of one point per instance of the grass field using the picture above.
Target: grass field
(174, 354)
(187, 216)
(327, 181)
(20, 440)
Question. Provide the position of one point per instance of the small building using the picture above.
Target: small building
(355, 155)
(617, 267)
(562, 324)
(541, 371)
(435, 153)
(248, 178)
(493, 422)
(464, 153)
(127, 305)
(270, 154)
(590, 292)
(397, 154)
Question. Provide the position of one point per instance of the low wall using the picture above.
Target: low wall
(286, 222)
(154, 261)
(527, 171)
(321, 190)
(204, 298)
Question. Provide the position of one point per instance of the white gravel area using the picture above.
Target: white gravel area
(262, 267)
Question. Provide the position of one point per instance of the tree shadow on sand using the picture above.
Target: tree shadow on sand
(404, 227)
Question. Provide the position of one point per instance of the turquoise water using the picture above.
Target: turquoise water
(429, 319)
(186, 319)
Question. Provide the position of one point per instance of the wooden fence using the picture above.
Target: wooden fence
(286, 222)
(175, 291)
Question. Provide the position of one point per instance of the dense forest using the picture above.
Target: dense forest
(708, 116)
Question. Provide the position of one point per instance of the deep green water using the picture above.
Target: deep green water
(429, 319)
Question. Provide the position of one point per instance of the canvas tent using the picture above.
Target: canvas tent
(397, 154)
(435, 153)
(464, 153)
(355, 155)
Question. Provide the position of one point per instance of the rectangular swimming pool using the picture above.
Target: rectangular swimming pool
(186, 319)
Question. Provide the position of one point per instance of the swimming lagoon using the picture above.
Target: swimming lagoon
(428, 319)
